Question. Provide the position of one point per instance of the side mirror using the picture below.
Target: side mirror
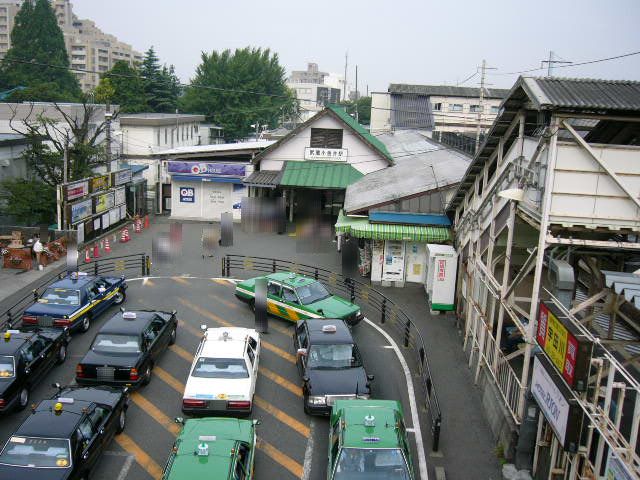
(371, 377)
(179, 420)
(301, 352)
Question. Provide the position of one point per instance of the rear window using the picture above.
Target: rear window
(110, 343)
(36, 452)
(220, 368)
(60, 296)
(7, 367)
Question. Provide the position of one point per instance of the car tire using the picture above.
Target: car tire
(147, 375)
(122, 421)
(119, 297)
(23, 399)
(62, 354)
(173, 335)
(86, 324)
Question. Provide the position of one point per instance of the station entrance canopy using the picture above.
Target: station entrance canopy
(361, 227)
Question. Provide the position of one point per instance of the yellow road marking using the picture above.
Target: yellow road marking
(215, 297)
(280, 415)
(181, 280)
(283, 382)
(278, 351)
(279, 457)
(155, 413)
(226, 283)
(169, 379)
(182, 352)
(193, 330)
(148, 282)
(144, 460)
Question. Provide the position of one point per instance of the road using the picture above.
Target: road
(291, 444)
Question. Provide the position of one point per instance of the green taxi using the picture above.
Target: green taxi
(295, 297)
(220, 448)
(368, 440)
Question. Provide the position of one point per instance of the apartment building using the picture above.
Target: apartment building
(315, 89)
(88, 47)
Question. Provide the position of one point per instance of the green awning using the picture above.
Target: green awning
(313, 174)
(360, 227)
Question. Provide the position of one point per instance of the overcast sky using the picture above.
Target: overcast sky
(420, 41)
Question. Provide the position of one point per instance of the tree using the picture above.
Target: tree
(31, 202)
(123, 86)
(160, 84)
(363, 106)
(36, 37)
(238, 89)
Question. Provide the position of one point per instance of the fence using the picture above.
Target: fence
(138, 263)
(388, 313)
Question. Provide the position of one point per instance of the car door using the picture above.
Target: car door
(241, 469)
(291, 299)
(252, 358)
(93, 298)
(273, 295)
(155, 341)
(301, 341)
(49, 351)
(104, 423)
(89, 440)
(334, 445)
(34, 356)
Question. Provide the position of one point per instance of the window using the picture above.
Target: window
(36, 452)
(273, 289)
(251, 354)
(455, 107)
(288, 295)
(114, 343)
(437, 107)
(475, 108)
(302, 336)
(165, 136)
(34, 349)
(241, 469)
(60, 296)
(207, 367)
(158, 137)
(339, 356)
(495, 110)
(326, 138)
(98, 416)
(311, 293)
(7, 367)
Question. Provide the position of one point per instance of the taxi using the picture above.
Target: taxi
(65, 436)
(220, 448)
(75, 301)
(368, 440)
(25, 358)
(224, 372)
(295, 297)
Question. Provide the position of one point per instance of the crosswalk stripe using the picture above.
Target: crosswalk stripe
(279, 457)
(155, 413)
(144, 460)
(291, 422)
(283, 382)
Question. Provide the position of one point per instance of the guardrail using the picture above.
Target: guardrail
(387, 312)
(140, 263)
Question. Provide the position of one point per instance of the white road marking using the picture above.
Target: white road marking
(308, 452)
(415, 419)
(387, 346)
(126, 467)
(410, 430)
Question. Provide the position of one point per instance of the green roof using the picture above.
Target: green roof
(363, 132)
(217, 464)
(312, 174)
(356, 434)
(360, 227)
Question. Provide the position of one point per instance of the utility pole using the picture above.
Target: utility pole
(483, 74)
(107, 121)
(551, 61)
(346, 63)
(357, 94)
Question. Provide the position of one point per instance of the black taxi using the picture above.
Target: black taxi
(64, 436)
(330, 364)
(126, 348)
(26, 357)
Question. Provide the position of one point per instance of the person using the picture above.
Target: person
(38, 249)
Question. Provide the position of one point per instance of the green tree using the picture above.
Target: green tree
(160, 84)
(227, 87)
(123, 86)
(30, 202)
(36, 37)
(363, 106)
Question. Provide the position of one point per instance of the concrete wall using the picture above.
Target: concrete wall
(143, 140)
(380, 112)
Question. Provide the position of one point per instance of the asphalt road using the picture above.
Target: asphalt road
(291, 443)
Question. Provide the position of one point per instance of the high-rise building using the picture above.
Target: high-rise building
(314, 89)
(88, 47)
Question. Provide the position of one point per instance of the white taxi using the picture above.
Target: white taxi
(224, 371)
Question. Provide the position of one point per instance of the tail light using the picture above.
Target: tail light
(29, 319)
(239, 405)
(79, 371)
(61, 322)
(192, 403)
(133, 374)
(3, 403)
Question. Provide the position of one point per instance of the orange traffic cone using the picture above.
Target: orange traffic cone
(146, 221)
(107, 247)
(124, 236)
(86, 255)
(138, 225)
(96, 250)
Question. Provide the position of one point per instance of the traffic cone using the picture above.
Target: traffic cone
(126, 232)
(107, 247)
(124, 236)
(96, 250)
(87, 259)
(146, 221)
(102, 244)
(138, 225)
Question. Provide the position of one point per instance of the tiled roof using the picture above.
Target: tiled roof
(263, 178)
(447, 91)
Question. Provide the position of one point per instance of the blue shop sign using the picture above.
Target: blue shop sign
(187, 195)
(207, 169)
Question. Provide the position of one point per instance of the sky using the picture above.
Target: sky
(399, 41)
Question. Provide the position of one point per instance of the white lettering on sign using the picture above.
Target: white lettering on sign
(187, 194)
(552, 402)
(216, 197)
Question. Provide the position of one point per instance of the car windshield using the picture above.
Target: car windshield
(371, 464)
(312, 293)
(36, 452)
(220, 368)
(60, 296)
(7, 368)
(333, 356)
(110, 343)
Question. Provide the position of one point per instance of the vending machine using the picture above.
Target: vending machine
(440, 284)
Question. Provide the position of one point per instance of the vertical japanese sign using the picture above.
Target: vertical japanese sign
(442, 268)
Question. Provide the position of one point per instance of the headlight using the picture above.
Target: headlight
(317, 400)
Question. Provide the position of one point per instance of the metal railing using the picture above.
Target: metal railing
(134, 264)
(381, 308)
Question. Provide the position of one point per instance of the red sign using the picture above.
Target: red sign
(442, 265)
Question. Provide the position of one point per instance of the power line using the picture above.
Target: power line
(468, 78)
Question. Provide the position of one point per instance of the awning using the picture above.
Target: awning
(313, 174)
(407, 218)
(360, 227)
(263, 178)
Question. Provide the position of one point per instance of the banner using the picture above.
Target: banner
(80, 210)
(114, 216)
(104, 202)
(100, 183)
(105, 220)
(121, 177)
(207, 169)
(76, 190)
(121, 195)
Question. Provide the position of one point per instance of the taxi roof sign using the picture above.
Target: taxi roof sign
(329, 329)
(67, 400)
(129, 315)
(207, 438)
(371, 439)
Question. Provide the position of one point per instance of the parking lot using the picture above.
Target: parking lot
(291, 444)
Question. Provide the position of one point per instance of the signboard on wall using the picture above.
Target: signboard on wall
(80, 210)
(114, 216)
(121, 195)
(204, 169)
(100, 183)
(187, 194)
(104, 202)
(616, 469)
(121, 177)
(106, 220)
(568, 350)
(76, 190)
(393, 263)
(326, 154)
(556, 403)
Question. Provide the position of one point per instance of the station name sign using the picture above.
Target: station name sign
(568, 350)
(326, 154)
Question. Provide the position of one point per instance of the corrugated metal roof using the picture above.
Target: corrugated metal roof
(583, 93)
(627, 284)
(360, 227)
(406, 218)
(447, 91)
(264, 178)
(318, 174)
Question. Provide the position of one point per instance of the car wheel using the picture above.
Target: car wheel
(86, 324)
(122, 421)
(119, 297)
(172, 337)
(23, 398)
(62, 354)
(147, 376)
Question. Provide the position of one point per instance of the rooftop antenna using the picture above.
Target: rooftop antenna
(551, 62)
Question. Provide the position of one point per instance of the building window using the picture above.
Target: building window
(437, 107)
(165, 136)
(455, 107)
(158, 137)
(495, 110)
(475, 108)
(326, 138)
